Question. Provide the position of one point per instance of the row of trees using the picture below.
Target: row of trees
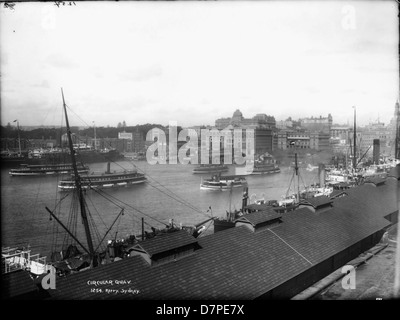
(55, 133)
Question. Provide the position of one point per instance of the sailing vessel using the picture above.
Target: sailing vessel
(77, 255)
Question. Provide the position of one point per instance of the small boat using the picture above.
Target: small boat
(221, 183)
(210, 168)
(106, 180)
(50, 169)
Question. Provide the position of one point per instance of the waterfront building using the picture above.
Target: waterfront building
(260, 120)
(340, 132)
(317, 124)
(263, 125)
(394, 131)
(288, 139)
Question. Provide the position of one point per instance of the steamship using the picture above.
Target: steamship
(107, 179)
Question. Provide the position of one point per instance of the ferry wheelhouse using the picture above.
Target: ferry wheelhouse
(50, 169)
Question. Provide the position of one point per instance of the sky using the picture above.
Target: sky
(196, 61)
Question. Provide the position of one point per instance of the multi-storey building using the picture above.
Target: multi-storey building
(260, 120)
(317, 124)
(262, 124)
(303, 140)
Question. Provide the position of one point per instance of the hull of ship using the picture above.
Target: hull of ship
(259, 172)
(58, 158)
(45, 173)
(210, 170)
(223, 186)
(103, 184)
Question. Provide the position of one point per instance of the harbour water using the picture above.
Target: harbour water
(171, 192)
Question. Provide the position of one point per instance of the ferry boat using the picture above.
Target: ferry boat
(106, 180)
(265, 164)
(222, 183)
(210, 168)
(264, 168)
(50, 169)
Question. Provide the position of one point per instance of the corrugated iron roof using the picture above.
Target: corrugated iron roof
(240, 264)
(337, 193)
(259, 217)
(258, 207)
(17, 284)
(166, 241)
(376, 180)
(317, 202)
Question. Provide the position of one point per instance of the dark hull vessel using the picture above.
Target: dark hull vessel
(90, 156)
(44, 170)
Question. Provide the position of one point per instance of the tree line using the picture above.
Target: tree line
(55, 133)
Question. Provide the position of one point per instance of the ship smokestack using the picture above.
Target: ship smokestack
(245, 197)
(108, 168)
(321, 174)
(376, 151)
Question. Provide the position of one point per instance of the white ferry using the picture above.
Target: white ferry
(218, 182)
(105, 180)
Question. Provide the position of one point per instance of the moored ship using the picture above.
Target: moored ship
(59, 157)
(106, 180)
(222, 183)
(210, 168)
(43, 170)
(265, 164)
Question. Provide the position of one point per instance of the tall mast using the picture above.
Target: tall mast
(78, 184)
(296, 168)
(354, 143)
(397, 124)
(95, 144)
(19, 138)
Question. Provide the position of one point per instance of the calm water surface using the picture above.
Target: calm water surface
(172, 192)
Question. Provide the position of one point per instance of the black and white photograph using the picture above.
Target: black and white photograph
(211, 152)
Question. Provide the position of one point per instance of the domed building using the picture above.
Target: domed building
(262, 124)
(237, 118)
(260, 120)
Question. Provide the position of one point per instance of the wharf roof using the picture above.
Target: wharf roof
(17, 285)
(337, 193)
(375, 180)
(240, 264)
(317, 202)
(167, 241)
(259, 217)
(259, 207)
